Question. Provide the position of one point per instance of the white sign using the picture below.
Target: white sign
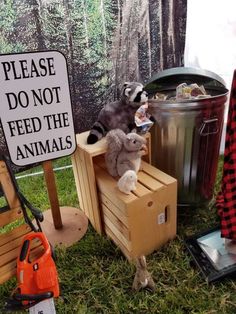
(35, 106)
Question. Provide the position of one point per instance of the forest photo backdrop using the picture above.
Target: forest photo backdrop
(105, 42)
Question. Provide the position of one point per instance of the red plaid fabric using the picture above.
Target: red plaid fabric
(226, 199)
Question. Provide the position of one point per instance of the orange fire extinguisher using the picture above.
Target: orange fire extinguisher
(37, 279)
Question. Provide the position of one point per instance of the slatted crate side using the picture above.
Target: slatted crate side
(93, 193)
(87, 192)
(117, 241)
(10, 250)
(86, 204)
(13, 238)
(11, 215)
(7, 186)
(8, 270)
(120, 214)
(115, 223)
(118, 224)
(77, 177)
(13, 211)
(118, 234)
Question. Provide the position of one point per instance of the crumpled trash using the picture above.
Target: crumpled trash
(183, 92)
(192, 91)
(160, 96)
(142, 119)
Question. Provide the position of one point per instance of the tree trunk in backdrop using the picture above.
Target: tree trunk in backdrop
(37, 13)
(85, 22)
(68, 27)
(152, 38)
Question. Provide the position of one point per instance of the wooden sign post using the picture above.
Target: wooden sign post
(37, 121)
(52, 193)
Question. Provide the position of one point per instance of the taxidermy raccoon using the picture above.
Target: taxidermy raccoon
(124, 152)
(119, 114)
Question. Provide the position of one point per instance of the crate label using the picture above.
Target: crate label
(161, 218)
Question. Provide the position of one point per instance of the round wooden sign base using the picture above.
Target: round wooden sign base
(74, 226)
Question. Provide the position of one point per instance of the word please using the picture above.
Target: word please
(23, 69)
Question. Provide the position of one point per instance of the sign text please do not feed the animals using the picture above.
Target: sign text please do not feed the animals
(36, 112)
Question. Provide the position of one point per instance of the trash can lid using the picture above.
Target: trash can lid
(170, 78)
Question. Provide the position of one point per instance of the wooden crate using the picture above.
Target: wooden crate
(143, 221)
(83, 169)
(11, 237)
(138, 223)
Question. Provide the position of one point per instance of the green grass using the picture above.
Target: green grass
(96, 278)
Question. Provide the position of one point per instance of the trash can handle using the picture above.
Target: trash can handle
(204, 131)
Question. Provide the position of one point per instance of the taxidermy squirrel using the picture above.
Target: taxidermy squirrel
(119, 114)
(143, 278)
(124, 152)
(127, 182)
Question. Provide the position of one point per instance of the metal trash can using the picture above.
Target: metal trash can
(187, 134)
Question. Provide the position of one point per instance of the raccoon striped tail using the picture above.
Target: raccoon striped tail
(96, 133)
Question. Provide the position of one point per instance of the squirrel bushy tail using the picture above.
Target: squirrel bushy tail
(115, 139)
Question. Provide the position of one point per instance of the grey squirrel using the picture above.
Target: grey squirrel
(124, 152)
(119, 114)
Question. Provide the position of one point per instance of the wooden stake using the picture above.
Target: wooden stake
(52, 193)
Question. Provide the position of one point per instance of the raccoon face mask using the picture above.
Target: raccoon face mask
(134, 94)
